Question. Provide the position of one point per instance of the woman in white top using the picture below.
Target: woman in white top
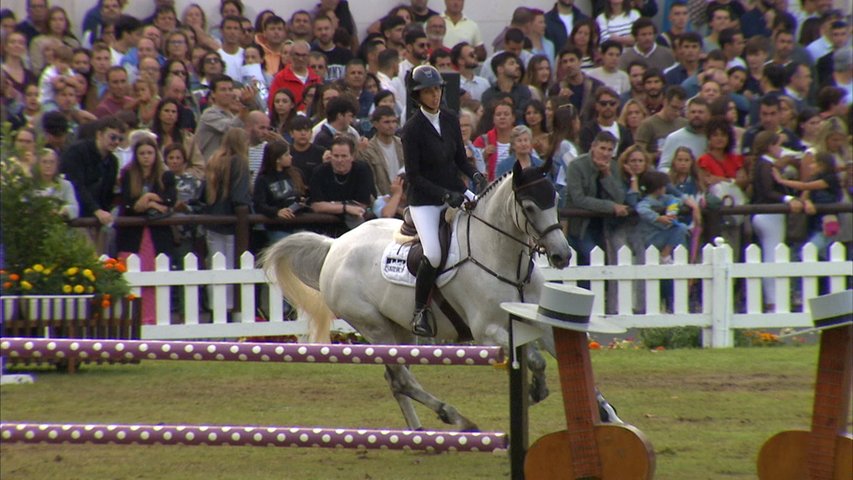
(52, 184)
(615, 23)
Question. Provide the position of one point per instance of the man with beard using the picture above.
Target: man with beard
(514, 43)
(508, 70)
(435, 31)
(654, 129)
(324, 43)
(653, 83)
(636, 70)
(465, 60)
(416, 52)
(692, 136)
(655, 56)
(560, 21)
(300, 26)
(606, 105)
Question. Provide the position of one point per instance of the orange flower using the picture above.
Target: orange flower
(660, 348)
(594, 345)
(14, 277)
(131, 296)
(105, 304)
(121, 268)
(7, 285)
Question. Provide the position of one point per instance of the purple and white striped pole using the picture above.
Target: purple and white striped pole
(85, 349)
(256, 436)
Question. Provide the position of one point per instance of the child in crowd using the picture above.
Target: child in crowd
(659, 225)
(823, 187)
(55, 74)
(684, 175)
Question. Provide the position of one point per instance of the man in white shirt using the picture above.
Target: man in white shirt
(128, 32)
(231, 52)
(416, 51)
(462, 29)
(465, 60)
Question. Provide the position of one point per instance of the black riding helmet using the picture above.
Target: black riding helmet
(422, 77)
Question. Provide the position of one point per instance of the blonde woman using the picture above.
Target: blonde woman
(633, 114)
(832, 137)
(226, 188)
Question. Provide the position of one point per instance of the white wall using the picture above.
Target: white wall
(491, 15)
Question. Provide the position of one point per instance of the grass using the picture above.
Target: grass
(707, 413)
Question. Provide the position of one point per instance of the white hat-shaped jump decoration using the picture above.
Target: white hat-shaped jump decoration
(563, 306)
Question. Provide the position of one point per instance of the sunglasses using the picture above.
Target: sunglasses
(611, 103)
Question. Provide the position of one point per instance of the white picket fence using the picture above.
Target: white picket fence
(717, 274)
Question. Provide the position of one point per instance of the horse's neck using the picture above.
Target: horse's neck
(498, 209)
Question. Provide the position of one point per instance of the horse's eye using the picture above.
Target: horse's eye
(529, 209)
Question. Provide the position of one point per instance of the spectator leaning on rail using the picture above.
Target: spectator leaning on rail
(92, 168)
(593, 183)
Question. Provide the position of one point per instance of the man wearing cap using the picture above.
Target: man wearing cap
(434, 155)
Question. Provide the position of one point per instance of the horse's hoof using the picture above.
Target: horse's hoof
(538, 394)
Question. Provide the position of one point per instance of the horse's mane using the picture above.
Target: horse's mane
(494, 185)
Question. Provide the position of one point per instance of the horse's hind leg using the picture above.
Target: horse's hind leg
(404, 383)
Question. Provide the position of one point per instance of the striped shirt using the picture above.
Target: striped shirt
(618, 25)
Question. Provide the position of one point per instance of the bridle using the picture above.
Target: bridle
(523, 277)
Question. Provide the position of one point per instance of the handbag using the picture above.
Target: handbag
(729, 195)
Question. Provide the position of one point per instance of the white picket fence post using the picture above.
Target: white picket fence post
(718, 275)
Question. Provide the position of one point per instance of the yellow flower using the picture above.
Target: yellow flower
(90, 289)
(38, 267)
(47, 271)
(88, 274)
(29, 270)
(72, 271)
(66, 289)
(79, 289)
(26, 285)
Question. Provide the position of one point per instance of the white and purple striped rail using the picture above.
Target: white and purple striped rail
(256, 436)
(116, 350)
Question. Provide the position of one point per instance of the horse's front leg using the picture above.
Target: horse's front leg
(498, 335)
(538, 384)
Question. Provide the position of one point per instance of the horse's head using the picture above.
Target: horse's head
(536, 200)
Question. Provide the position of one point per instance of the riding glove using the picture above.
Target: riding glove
(454, 199)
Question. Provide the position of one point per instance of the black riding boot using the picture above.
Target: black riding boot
(422, 322)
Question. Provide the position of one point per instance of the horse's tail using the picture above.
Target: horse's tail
(295, 263)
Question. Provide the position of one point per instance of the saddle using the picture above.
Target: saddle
(416, 252)
(408, 235)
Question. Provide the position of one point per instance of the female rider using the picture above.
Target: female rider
(434, 155)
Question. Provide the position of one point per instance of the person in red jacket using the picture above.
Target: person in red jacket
(295, 76)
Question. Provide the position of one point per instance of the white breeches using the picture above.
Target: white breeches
(426, 218)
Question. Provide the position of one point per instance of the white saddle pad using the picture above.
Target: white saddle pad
(393, 262)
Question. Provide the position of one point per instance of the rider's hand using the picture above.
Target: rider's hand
(454, 199)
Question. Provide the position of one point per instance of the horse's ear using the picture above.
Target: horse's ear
(516, 173)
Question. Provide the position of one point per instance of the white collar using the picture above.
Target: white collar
(432, 117)
(654, 47)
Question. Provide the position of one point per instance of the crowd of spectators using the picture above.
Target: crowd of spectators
(296, 110)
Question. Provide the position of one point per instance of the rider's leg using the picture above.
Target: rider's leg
(426, 219)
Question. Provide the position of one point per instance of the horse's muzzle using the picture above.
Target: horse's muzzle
(560, 261)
